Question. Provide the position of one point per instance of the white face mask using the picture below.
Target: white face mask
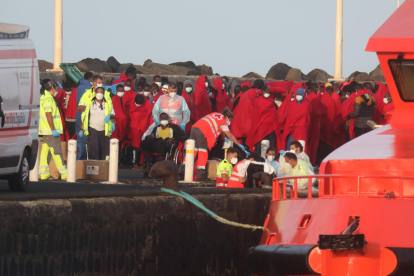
(292, 99)
(158, 83)
(210, 94)
(99, 96)
(188, 89)
(55, 94)
(120, 94)
(228, 122)
(266, 95)
(146, 93)
(99, 85)
(126, 88)
(223, 85)
(164, 122)
(233, 160)
(206, 84)
(270, 157)
(91, 82)
(172, 94)
(137, 104)
(299, 98)
(347, 96)
(386, 101)
(68, 93)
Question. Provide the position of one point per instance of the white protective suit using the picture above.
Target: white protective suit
(175, 107)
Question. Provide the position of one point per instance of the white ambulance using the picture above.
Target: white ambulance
(19, 112)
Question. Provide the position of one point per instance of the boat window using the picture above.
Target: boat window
(18, 35)
(403, 73)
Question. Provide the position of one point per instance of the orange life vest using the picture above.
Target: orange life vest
(234, 178)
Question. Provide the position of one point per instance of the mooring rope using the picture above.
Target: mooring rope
(202, 207)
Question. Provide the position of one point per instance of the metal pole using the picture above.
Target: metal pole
(71, 167)
(398, 3)
(189, 160)
(338, 40)
(58, 48)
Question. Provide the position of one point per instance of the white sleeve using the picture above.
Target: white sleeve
(224, 128)
(149, 131)
(112, 110)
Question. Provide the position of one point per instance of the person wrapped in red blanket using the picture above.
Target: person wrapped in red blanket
(188, 95)
(201, 98)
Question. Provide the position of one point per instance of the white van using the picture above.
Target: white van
(19, 112)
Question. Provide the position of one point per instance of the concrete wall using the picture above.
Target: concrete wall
(128, 236)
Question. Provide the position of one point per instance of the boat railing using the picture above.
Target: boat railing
(281, 185)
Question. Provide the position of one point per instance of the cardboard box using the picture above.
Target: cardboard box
(211, 169)
(92, 169)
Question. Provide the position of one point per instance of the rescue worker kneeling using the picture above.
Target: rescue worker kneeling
(225, 168)
(98, 125)
(50, 127)
(161, 139)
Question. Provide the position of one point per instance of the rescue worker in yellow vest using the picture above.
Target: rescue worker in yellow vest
(90, 94)
(98, 125)
(225, 167)
(50, 127)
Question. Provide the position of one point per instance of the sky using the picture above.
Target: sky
(234, 37)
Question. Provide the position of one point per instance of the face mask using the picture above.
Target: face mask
(126, 88)
(146, 93)
(299, 98)
(210, 94)
(228, 122)
(164, 122)
(233, 160)
(266, 95)
(223, 86)
(91, 82)
(338, 91)
(386, 101)
(99, 96)
(137, 104)
(68, 93)
(120, 94)
(158, 83)
(55, 94)
(155, 93)
(172, 94)
(99, 85)
(271, 157)
(292, 99)
(347, 96)
(206, 84)
(188, 89)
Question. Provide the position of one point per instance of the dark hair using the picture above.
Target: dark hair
(156, 76)
(172, 85)
(164, 80)
(103, 89)
(270, 149)
(119, 86)
(48, 84)
(67, 84)
(130, 70)
(88, 75)
(253, 155)
(245, 88)
(259, 159)
(232, 150)
(237, 86)
(141, 84)
(258, 84)
(291, 155)
(358, 86)
(142, 79)
(139, 99)
(366, 84)
(278, 96)
(297, 144)
(147, 86)
(164, 114)
(329, 89)
(97, 77)
(227, 112)
(154, 85)
(265, 87)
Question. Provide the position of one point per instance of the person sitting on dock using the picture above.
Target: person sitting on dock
(297, 148)
(225, 168)
(299, 168)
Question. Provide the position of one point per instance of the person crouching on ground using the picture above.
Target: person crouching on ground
(225, 168)
(98, 125)
(161, 139)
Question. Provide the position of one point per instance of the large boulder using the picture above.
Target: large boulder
(278, 71)
(296, 74)
(377, 75)
(114, 64)
(319, 75)
(252, 75)
(359, 76)
(205, 70)
(94, 64)
(44, 65)
(164, 70)
(188, 64)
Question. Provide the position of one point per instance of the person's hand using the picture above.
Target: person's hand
(157, 124)
(242, 147)
(113, 127)
(227, 140)
(282, 152)
(170, 141)
(233, 95)
(107, 118)
(183, 127)
(80, 134)
(55, 133)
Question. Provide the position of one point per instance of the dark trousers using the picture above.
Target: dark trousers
(71, 126)
(159, 146)
(361, 131)
(98, 145)
(272, 139)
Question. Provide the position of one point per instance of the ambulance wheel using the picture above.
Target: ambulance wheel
(19, 181)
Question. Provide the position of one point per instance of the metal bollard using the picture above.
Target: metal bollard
(113, 161)
(227, 145)
(265, 145)
(71, 163)
(34, 173)
(189, 160)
